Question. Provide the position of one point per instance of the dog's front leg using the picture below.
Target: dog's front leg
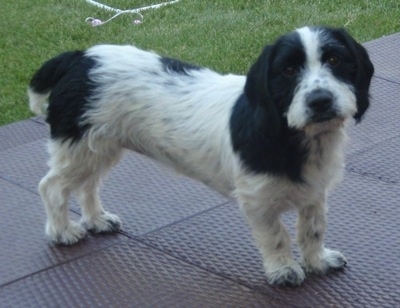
(274, 242)
(311, 232)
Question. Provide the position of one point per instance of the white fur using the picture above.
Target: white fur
(36, 101)
(183, 121)
(317, 76)
(199, 146)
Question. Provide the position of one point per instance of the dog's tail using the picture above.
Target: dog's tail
(46, 78)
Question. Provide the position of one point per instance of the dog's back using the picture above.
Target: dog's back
(172, 111)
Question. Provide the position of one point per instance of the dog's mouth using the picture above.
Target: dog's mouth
(323, 117)
(324, 125)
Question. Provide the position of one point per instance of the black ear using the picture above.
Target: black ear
(256, 88)
(257, 91)
(365, 70)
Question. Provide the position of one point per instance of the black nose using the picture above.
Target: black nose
(320, 101)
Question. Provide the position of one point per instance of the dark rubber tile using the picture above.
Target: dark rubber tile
(362, 223)
(24, 249)
(20, 133)
(25, 164)
(380, 162)
(129, 275)
(384, 53)
(144, 194)
(381, 121)
(39, 119)
(148, 196)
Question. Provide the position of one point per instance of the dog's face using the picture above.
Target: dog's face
(311, 76)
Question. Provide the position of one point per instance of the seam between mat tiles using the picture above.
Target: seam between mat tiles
(371, 177)
(368, 175)
(77, 212)
(388, 80)
(11, 181)
(62, 263)
(250, 288)
(142, 239)
(218, 274)
(35, 192)
(367, 149)
(35, 119)
(142, 236)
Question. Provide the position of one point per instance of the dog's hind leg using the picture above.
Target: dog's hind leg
(55, 194)
(74, 167)
(55, 189)
(94, 217)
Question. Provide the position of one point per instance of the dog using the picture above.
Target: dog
(273, 139)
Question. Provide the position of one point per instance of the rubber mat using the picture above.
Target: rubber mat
(359, 224)
(129, 275)
(20, 133)
(380, 162)
(39, 119)
(186, 246)
(384, 53)
(25, 164)
(381, 121)
(129, 191)
(144, 194)
(148, 196)
(24, 248)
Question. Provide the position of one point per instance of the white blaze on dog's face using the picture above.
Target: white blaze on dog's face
(310, 80)
(325, 77)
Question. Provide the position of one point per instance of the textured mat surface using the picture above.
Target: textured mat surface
(24, 250)
(129, 275)
(20, 133)
(220, 241)
(146, 195)
(381, 121)
(384, 54)
(183, 245)
(379, 162)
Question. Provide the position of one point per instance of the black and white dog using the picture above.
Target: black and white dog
(274, 139)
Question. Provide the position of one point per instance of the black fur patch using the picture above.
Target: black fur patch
(259, 130)
(282, 154)
(176, 66)
(66, 77)
(361, 68)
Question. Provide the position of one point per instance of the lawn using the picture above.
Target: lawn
(226, 35)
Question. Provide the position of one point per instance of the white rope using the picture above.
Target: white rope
(103, 6)
(97, 22)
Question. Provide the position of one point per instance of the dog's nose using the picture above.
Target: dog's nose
(320, 101)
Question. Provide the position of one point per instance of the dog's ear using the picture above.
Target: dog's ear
(365, 70)
(257, 92)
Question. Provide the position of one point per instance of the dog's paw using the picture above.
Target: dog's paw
(290, 275)
(330, 260)
(66, 236)
(104, 223)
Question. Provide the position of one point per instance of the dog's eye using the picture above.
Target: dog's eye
(289, 71)
(333, 61)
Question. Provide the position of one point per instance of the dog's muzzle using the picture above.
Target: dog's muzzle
(320, 103)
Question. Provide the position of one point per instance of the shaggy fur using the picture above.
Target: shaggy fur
(274, 139)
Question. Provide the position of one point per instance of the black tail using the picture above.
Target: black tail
(52, 71)
(48, 76)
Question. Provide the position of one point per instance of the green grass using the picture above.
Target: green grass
(226, 35)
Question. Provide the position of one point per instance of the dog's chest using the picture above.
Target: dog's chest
(325, 162)
(322, 169)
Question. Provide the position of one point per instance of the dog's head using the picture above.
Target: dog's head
(314, 76)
